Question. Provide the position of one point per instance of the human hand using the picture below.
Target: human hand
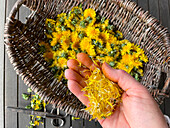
(137, 110)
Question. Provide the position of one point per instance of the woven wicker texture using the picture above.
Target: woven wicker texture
(138, 26)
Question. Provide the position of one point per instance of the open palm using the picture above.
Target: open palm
(137, 110)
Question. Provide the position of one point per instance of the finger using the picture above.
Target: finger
(76, 88)
(72, 75)
(124, 80)
(74, 65)
(85, 60)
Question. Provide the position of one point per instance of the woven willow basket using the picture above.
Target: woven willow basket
(138, 26)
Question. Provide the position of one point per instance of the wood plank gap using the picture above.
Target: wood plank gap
(17, 100)
(4, 68)
(70, 121)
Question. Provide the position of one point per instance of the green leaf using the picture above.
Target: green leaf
(88, 18)
(50, 31)
(137, 76)
(54, 69)
(110, 27)
(74, 21)
(37, 96)
(31, 123)
(77, 11)
(28, 107)
(42, 49)
(80, 6)
(61, 19)
(64, 55)
(112, 64)
(25, 96)
(102, 20)
(63, 28)
(29, 90)
(49, 25)
(82, 24)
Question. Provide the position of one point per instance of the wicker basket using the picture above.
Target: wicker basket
(137, 25)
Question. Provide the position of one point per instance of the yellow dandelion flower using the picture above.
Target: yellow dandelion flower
(108, 59)
(144, 58)
(72, 54)
(92, 32)
(53, 42)
(74, 36)
(105, 24)
(48, 35)
(85, 42)
(57, 28)
(61, 75)
(100, 59)
(62, 62)
(77, 10)
(123, 41)
(61, 17)
(68, 22)
(65, 43)
(112, 39)
(90, 50)
(36, 123)
(38, 102)
(140, 72)
(90, 13)
(66, 33)
(50, 21)
(36, 107)
(108, 47)
(56, 38)
(38, 116)
(75, 45)
(100, 51)
(75, 40)
(126, 49)
(119, 34)
(48, 55)
(104, 36)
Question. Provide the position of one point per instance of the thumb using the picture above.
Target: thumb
(124, 80)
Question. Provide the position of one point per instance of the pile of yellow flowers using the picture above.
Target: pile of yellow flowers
(104, 95)
(36, 104)
(86, 31)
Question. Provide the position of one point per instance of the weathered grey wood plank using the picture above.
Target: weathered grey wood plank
(10, 84)
(10, 95)
(164, 10)
(135, 1)
(89, 124)
(143, 4)
(23, 118)
(167, 106)
(78, 123)
(98, 125)
(2, 20)
(164, 13)
(154, 8)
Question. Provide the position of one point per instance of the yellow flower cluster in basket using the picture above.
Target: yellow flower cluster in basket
(86, 31)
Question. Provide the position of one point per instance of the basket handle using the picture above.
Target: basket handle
(15, 9)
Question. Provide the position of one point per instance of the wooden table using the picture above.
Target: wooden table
(11, 86)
